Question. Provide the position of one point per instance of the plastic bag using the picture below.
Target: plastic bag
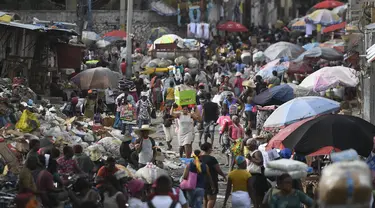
(153, 63)
(111, 145)
(193, 63)
(345, 183)
(28, 122)
(150, 173)
(181, 60)
(287, 165)
(164, 63)
(298, 174)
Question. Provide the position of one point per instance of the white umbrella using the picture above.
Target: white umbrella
(330, 77)
(299, 109)
(283, 49)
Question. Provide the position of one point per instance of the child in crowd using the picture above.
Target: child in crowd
(127, 116)
(224, 122)
(235, 134)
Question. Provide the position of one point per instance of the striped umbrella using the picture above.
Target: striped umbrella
(299, 25)
(323, 17)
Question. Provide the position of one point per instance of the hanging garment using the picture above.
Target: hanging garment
(195, 18)
(199, 33)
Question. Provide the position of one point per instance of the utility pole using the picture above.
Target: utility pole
(129, 31)
(122, 14)
(81, 5)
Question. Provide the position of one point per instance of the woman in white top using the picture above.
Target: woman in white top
(185, 132)
(113, 197)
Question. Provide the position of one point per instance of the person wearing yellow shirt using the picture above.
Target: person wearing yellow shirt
(240, 185)
(169, 97)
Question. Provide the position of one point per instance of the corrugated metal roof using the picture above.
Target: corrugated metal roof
(21, 25)
(62, 30)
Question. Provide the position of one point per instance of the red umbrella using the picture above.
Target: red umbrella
(276, 141)
(232, 27)
(116, 33)
(332, 28)
(328, 4)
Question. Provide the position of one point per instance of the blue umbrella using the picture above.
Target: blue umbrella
(321, 52)
(274, 96)
(299, 109)
(266, 73)
(310, 46)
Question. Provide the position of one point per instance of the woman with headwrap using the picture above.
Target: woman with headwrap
(196, 196)
(240, 185)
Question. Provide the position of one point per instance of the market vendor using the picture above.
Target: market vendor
(145, 145)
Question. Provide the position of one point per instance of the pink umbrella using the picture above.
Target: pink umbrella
(293, 67)
(276, 141)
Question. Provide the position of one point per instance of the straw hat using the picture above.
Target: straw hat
(248, 83)
(144, 128)
(238, 74)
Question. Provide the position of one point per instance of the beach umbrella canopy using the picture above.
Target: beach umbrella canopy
(232, 27)
(322, 135)
(282, 66)
(274, 96)
(299, 25)
(328, 4)
(157, 33)
(330, 77)
(266, 73)
(323, 17)
(299, 109)
(335, 27)
(300, 91)
(340, 9)
(323, 53)
(96, 78)
(283, 49)
(167, 39)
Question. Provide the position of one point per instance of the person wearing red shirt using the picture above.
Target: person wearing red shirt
(123, 66)
(107, 170)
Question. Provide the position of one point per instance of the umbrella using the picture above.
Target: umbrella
(89, 37)
(114, 35)
(167, 39)
(323, 53)
(96, 78)
(310, 46)
(283, 49)
(330, 77)
(266, 72)
(157, 33)
(276, 141)
(325, 133)
(274, 96)
(328, 4)
(282, 66)
(323, 17)
(232, 27)
(332, 28)
(299, 25)
(299, 109)
(340, 9)
(301, 91)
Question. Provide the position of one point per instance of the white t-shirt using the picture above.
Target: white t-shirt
(136, 203)
(162, 202)
(109, 98)
(146, 154)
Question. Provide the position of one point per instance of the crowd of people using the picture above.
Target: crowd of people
(50, 178)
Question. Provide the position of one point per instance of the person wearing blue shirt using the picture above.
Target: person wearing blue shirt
(240, 66)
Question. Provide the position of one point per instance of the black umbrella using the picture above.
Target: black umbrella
(334, 131)
(277, 95)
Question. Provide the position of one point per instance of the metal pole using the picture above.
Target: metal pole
(122, 14)
(129, 25)
(89, 15)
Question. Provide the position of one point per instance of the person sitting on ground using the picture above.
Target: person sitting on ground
(84, 162)
(162, 198)
(67, 165)
(136, 188)
(85, 193)
(26, 183)
(113, 196)
(109, 169)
